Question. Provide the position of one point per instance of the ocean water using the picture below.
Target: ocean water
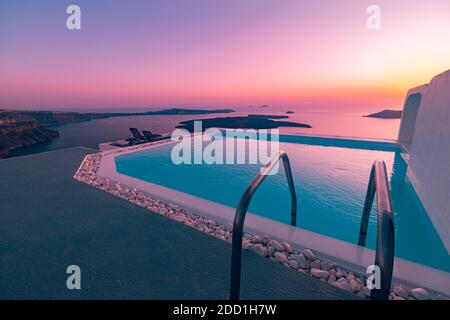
(331, 122)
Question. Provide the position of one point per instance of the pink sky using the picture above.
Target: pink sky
(203, 53)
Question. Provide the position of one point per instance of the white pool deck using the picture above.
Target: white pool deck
(347, 255)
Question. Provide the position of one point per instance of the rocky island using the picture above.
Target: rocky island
(386, 114)
(249, 122)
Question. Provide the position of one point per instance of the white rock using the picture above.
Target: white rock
(350, 276)
(293, 264)
(256, 239)
(362, 281)
(302, 263)
(315, 264)
(343, 284)
(287, 247)
(400, 291)
(309, 254)
(270, 251)
(331, 279)
(280, 257)
(320, 273)
(259, 249)
(248, 236)
(355, 286)
(325, 266)
(276, 245)
(180, 218)
(265, 239)
(420, 294)
(339, 273)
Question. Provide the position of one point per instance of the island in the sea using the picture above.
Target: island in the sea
(264, 106)
(19, 129)
(250, 122)
(386, 114)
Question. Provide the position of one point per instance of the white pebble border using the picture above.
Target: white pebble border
(303, 261)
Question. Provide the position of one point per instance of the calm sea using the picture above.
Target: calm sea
(325, 122)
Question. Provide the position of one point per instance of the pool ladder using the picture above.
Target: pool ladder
(384, 254)
(241, 211)
(378, 183)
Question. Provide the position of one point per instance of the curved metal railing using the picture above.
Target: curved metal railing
(241, 212)
(384, 256)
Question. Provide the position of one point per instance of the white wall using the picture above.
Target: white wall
(410, 110)
(429, 165)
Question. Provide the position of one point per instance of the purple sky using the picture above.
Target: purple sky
(218, 53)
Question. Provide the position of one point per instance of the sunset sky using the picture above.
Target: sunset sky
(216, 53)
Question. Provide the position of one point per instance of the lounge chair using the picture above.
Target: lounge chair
(149, 136)
(136, 134)
(137, 138)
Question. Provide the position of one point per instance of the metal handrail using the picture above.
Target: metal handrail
(241, 211)
(384, 256)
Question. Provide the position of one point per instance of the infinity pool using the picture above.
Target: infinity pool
(331, 177)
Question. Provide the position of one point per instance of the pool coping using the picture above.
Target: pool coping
(345, 254)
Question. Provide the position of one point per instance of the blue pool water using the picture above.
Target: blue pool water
(331, 179)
